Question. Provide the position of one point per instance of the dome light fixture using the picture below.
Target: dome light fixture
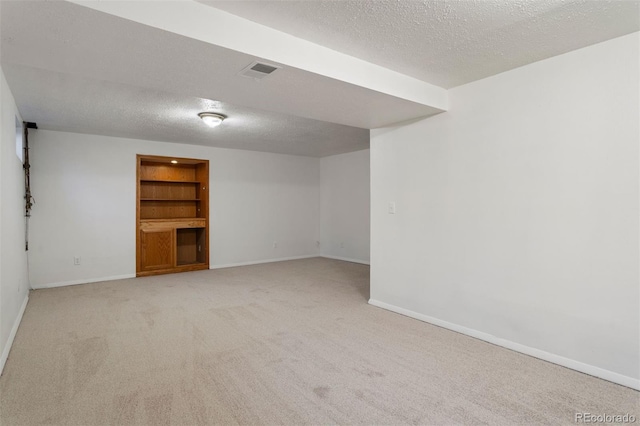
(211, 119)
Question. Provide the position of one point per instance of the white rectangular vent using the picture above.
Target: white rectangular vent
(258, 70)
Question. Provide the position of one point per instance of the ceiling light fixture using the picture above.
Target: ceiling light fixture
(174, 161)
(211, 119)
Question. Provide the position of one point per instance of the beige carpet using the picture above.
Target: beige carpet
(281, 343)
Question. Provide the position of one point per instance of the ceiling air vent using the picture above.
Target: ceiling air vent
(258, 70)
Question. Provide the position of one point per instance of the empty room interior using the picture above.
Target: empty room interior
(320, 212)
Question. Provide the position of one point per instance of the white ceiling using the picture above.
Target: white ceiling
(71, 103)
(71, 68)
(446, 43)
(123, 71)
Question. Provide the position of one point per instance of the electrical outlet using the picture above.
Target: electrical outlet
(392, 207)
(76, 260)
(317, 243)
(275, 244)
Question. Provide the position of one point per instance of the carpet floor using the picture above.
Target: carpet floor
(281, 343)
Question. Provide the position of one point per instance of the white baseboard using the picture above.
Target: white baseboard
(122, 277)
(83, 281)
(346, 259)
(12, 335)
(258, 262)
(537, 353)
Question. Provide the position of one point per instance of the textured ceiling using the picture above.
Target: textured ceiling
(74, 68)
(58, 101)
(446, 43)
(47, 46)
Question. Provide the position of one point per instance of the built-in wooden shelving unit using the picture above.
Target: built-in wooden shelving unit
(172, 215)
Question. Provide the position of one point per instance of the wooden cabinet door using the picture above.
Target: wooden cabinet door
(157, 249)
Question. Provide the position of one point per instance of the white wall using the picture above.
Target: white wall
(344, 206)
(84, 186)
(14, 281)
(517, 211)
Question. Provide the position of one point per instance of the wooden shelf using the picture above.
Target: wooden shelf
(168, 181)
(172, 215)
(169, 199)
(172, 219)
(177, 223)
(184, 263)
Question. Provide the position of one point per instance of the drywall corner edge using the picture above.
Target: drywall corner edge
(591, 370)
(12, 335)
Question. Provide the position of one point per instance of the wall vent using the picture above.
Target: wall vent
(258, 70)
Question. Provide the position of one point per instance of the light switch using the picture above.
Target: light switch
(392, 207)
